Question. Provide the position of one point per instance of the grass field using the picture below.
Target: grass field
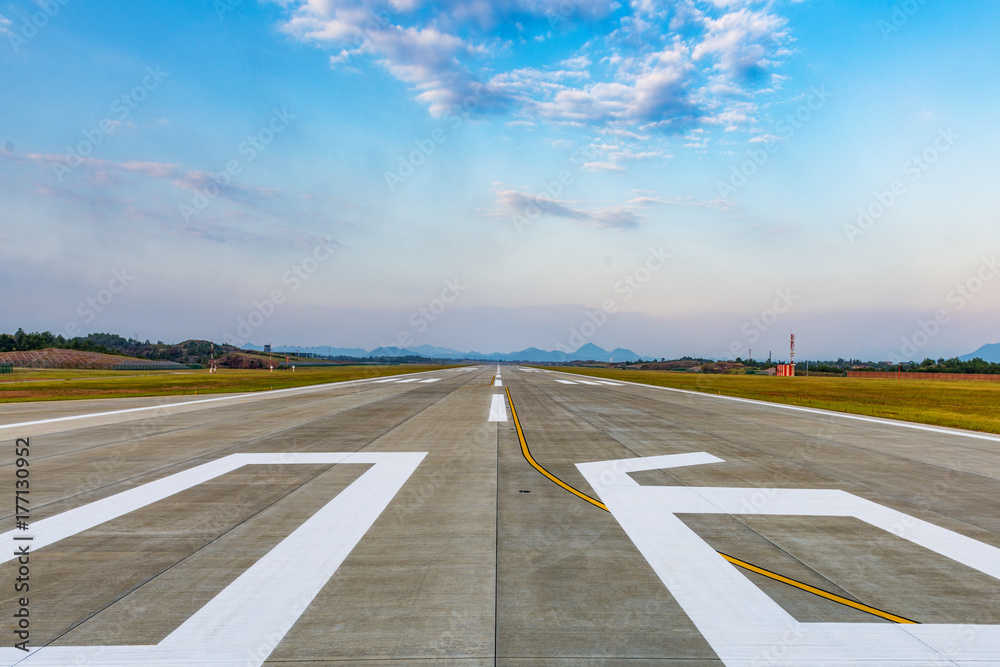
(56, 384)
(957, 404)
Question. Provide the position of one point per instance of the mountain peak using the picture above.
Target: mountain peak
(989, 352)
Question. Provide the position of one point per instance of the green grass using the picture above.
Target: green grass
(54, 385)
(957, 404)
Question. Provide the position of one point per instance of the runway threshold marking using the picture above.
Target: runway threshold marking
(833, 597)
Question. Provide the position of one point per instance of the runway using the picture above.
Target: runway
(497, 516)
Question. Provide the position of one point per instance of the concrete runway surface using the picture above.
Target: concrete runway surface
(419, 520)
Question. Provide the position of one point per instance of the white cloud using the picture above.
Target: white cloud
(662, 66)
(764, 139)
(106, 172)
(646, 200)
(740, 40)
(521, 203)
(611, 156)
(602, 166)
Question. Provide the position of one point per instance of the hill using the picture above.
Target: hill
(989, 352)
(186, 353)
(588, 352)
(64, 358)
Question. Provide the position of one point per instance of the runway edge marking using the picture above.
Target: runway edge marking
(818, 411)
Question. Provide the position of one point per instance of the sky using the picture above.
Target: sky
(695, 177)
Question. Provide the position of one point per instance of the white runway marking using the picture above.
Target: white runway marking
(817, 411)
(170, 407)
(245, 622)
(497, 383)
(613, 384)
(410, 380)
(566, 381)
(498, 409)
(596, 384)
(431, 380)
(741, 622)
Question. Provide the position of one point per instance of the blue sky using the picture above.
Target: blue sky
(696, 177)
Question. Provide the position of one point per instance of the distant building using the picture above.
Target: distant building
(786, 370)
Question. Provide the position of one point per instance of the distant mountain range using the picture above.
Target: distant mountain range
(588, 352)
(989, 352)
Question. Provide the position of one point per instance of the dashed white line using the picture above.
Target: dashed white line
(498, 410)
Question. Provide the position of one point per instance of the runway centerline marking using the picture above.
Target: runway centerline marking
(243, 623)
(498, 413)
